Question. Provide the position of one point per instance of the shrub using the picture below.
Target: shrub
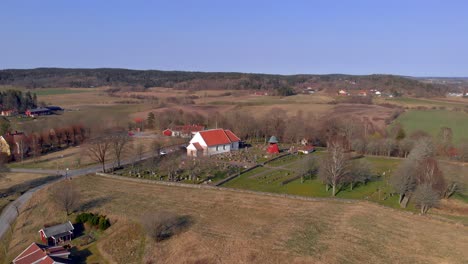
(96, 220)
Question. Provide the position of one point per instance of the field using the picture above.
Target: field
(12, 185)
(432, 120)
(233, 227)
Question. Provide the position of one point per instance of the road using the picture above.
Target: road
(9, 213)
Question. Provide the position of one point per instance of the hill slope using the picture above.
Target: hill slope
(60, 77)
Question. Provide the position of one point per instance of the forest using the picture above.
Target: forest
(280, 84)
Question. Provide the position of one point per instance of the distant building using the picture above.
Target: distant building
(306, 149)
(38, 112)
(9, 113)
(212, 142)
(342, 92)
(41, 254)
(185, 131)
(57, 234)
(273, 145)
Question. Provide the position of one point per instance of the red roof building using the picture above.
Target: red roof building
(213, 141)
(41, 254)
(306, 149)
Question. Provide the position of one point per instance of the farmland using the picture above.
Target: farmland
(240, 227)
(431, 121)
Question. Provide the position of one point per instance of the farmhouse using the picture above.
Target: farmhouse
(37, 112)
(212, 141)
(186, 131)
(41, 254)
(57, 234)
(8, 112)
(306, 149)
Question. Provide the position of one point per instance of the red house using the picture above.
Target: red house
(38, 112)
(57, 234)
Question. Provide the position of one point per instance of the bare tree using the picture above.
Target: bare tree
(428, 172)
(444, 140)
(359, 172)
(333, 167)
(425, 197)
(404, 180)
(118, 144)
(98, 149)
(389, 145)
(306, 167)
(139, 151)
(452, 188)
(405, 146)
(162, 225)
(423, 148)
(66, 196)
(358, 145)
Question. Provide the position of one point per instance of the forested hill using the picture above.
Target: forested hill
(60, 77)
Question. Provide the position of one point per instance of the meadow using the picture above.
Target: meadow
(235, 227)
(431, 121)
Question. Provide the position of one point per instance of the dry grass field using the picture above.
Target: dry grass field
(233, 227)
(14, 178)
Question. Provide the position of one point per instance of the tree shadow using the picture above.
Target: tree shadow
(93, 203)
(78, 230)
(174, 226)
(80, 256)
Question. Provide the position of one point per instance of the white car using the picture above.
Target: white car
(162, 153)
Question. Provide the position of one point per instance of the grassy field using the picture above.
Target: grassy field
(12, 185)
(58, 91)
(424, 102)
(232, 227)
(432, 120)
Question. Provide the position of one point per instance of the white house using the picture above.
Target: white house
(212, 142)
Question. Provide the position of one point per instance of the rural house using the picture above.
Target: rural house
(41, 254)
(57, 234)
(38, 112)
(9, 112)
(185, 131)
(212, 142)
(306, 149)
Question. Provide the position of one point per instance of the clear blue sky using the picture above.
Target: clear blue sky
(419, 38)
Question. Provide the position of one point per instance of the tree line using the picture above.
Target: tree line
(17, 100)
(37, 143)
(283, 84)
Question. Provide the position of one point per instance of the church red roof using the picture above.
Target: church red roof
(219, 136)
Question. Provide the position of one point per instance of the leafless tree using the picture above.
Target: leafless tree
(425, 197)
(359, 172)
(334, 166)
(452, 188)
(359, 145)
(423, 148)
(163, 225)
(306, 166)
(463, 148)
(444, 140)
(98, 149)
(405, 146)
(156, 148)
(404, 180)
(140, 149)
(118, 145)
(389, 145)
(428, 172)
(66, 196)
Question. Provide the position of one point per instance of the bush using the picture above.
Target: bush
(96, 220)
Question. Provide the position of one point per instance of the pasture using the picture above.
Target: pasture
(235, 227)
(431, 121)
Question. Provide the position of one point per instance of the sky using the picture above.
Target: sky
(410, 37)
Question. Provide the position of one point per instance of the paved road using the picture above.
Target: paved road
(9, 213)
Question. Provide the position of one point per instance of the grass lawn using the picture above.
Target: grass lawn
(58, 91)
(431, 121)
(246, 228)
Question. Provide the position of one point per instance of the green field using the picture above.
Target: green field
(431, 121)
(57, 91)
(270, 179)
